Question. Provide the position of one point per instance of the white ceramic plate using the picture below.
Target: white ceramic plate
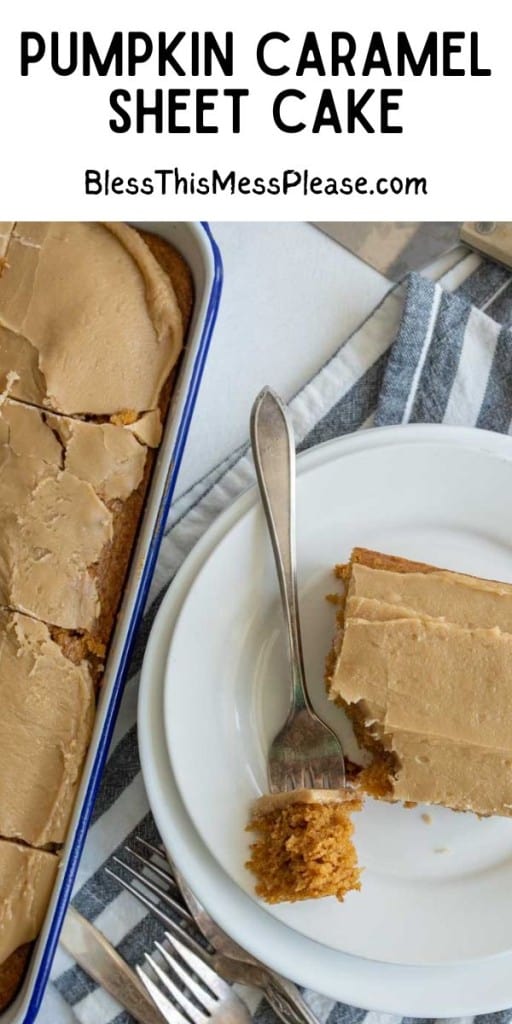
(432, 894)
(461, 990)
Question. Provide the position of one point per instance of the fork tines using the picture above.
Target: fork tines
(203, 990)
(157, 880)
(180, 975)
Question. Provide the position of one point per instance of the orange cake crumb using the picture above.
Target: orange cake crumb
(304, 850)
(375, 779)
(96, 647)
(124, 418)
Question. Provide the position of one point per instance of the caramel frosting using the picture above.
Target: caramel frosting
(47, 715)
(57, 476)
(460, 775)
(26, 881)
(6, 228)
(427, 660)
(88, 319)
(147, 428)
(110, 458)
(274, 801)
(458, 598)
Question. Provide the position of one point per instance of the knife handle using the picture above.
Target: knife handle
(286, 1000)
(98, 958)
(494, 239)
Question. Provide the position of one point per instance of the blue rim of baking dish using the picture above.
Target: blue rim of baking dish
(43, 973)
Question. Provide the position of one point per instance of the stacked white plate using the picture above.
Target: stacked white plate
(430, 933)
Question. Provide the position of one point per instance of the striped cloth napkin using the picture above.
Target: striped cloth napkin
(434, 350)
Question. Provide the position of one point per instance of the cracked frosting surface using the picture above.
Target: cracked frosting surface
(57, 476)
(427, 659)
(88, 318)
(47, 713)
(110, 458)
(26, 881)
(90, 330)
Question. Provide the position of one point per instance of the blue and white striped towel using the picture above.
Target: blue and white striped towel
(436, 351)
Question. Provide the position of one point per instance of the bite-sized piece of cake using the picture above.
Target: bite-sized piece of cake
(26, 880)
(422, 663)
(303, 847)
(47, 712)
(89, 319)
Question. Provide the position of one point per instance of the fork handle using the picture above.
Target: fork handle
(273, 449)
(287, 1002)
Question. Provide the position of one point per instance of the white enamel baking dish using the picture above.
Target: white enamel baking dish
(197, 246)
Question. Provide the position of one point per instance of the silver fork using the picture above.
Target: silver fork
(306, 753)
(202, 995)
(223, 954)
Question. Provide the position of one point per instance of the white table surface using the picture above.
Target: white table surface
(290, 297)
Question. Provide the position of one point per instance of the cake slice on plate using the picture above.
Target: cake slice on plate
(422, 664)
